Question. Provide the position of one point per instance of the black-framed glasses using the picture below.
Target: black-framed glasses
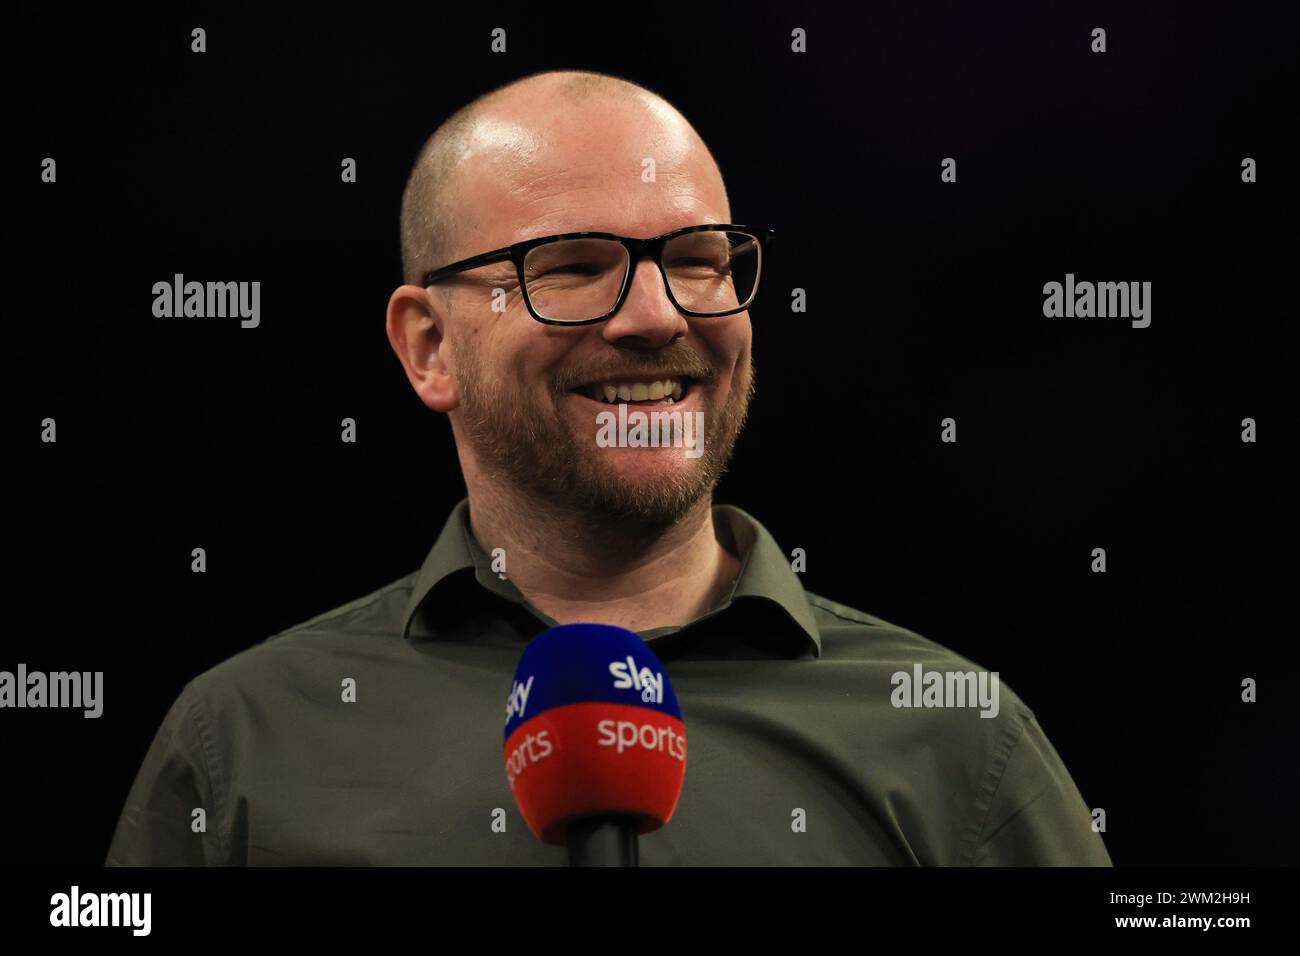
(578, 278)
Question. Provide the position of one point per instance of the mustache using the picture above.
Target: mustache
(677, 363)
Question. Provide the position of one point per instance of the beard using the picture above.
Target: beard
(533, 447)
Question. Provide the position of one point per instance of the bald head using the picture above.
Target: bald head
(507, 125)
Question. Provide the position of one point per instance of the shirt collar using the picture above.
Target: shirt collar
(765, 575)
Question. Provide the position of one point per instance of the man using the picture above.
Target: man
(372, 734)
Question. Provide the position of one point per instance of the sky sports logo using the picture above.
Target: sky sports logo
(648, 682)
(622, 735)
(530, 750)
(517, 702)
(626, 676)
(626, 735)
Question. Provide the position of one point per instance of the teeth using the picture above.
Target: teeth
(662, 390)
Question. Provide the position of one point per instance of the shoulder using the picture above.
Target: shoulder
(924, 679)
(368, 625)
(950, 725)
(850, 634)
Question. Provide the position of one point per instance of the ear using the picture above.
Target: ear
(417, 322)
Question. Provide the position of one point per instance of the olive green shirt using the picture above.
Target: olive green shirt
(797, 752)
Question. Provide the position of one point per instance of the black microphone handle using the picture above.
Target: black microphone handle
(602, 841)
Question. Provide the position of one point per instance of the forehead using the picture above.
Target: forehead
(633, 167)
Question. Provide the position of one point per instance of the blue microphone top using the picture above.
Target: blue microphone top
(587, 663)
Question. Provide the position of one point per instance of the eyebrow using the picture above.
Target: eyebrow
(494, 273)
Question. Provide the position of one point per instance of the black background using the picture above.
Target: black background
(925, 301)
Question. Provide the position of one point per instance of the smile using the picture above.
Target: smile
(646, 391)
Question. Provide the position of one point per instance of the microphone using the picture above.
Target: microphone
(595, 747)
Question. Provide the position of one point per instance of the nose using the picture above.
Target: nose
(648, 318)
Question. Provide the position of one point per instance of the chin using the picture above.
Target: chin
(648, 459)
(655, 493)
(642, 471)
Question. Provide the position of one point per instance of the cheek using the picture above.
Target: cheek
(731, 343)
(527, 369)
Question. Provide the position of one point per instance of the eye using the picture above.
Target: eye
(574, 268)
(714, 265)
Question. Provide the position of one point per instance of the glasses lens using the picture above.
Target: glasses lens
(713, 270)
(574, 280)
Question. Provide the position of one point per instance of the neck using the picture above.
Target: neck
(576, 568)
